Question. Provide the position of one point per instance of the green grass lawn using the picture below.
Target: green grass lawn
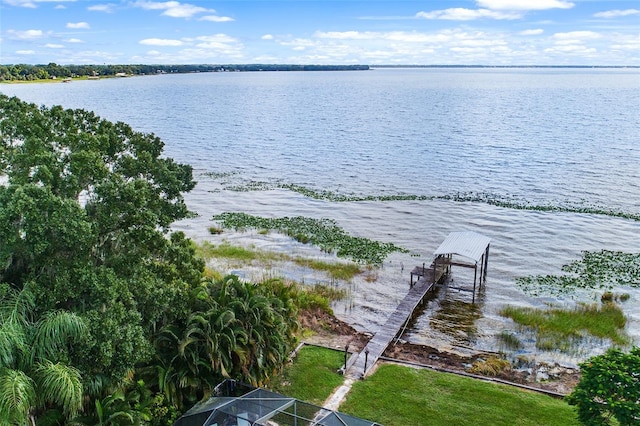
(401, 396)
(398, 396)
(312, 377)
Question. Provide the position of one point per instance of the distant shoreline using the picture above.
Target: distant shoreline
(508, 66)
(23, 73)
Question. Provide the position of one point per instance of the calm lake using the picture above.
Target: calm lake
(558, 137)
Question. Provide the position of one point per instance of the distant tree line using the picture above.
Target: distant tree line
(43, 72)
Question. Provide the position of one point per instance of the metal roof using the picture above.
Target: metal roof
(467, 243)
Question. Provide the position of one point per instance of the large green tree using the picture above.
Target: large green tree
(85, 210)
(609, 388)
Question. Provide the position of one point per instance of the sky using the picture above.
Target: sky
(400, 32)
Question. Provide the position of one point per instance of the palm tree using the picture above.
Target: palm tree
(32, 374)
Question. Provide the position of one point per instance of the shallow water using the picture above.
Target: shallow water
(544, 136)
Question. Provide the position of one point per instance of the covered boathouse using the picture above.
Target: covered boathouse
(471, 246)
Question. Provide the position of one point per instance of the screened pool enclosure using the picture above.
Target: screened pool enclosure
(237, 404)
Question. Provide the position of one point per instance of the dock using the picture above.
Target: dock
(467, 244)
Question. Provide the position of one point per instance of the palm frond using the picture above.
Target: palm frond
(60, 384)
(17, 396)
(12, 343)
(16, 306)
(53, 330)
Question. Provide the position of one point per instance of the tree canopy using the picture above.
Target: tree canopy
(84, 214)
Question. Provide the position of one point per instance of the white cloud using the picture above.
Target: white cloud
(215, 18)
(267, 37)
(161, 42)
(25, 35)
(32, 4)
(173, 9)
(219, 42)
(571, 49)
(347, 35)
(537, 31)
(577, 35)
(92, 57)
(626, 42)
(25, 52)
(21, 3)
(299, 43)
(74, 40)
(106, 8)
(54, 46)
(617, 13)
(192, 55)
(524, 4)
(78, 25)
(462, 14)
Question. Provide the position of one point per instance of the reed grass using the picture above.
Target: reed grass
(554, 325)
(337, 271)
(229, 251)
(509, 340)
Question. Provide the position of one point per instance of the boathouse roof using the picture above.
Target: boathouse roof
(468, 244)
(239, 404)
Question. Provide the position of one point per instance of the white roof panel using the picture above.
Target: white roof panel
(468, 244)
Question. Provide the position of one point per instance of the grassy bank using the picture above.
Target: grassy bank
(398, 396)
(312, 377)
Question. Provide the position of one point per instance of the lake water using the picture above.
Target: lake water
(562, 137)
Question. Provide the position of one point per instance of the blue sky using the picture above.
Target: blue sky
(487, 32)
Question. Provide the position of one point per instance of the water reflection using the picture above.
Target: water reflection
(457, 318)
(449, 319)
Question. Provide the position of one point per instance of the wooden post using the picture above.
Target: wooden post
(346, 351)
(486, 263)
(475, 274)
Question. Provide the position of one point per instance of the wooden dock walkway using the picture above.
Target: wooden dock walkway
(470, 245)
(359, 364)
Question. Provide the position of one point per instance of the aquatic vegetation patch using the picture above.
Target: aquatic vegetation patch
(220, 175)
(499, 200)
(225, 250)
(555, 326)
(214, 230)
(509, 340)
(329, 292)
(337, 271)
(598, 270)
(324, 233)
